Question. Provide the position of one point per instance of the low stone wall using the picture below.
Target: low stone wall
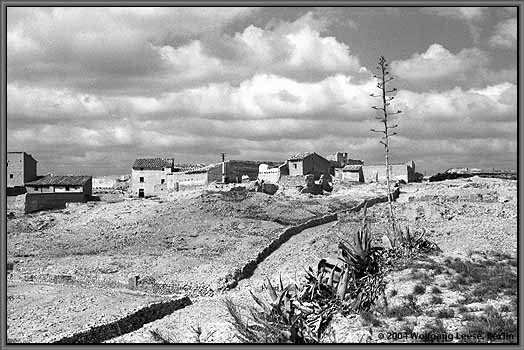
(247, 270)
(291, 181)
(40, 201)
(127, 324)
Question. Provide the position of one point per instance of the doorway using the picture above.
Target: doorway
(141, 193)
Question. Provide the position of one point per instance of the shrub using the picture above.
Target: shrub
(408, 308)
(436, 299)
(368, 318)
(419, 289)
(491, 324)
(446, 313)
(435, 290)
(435, 332)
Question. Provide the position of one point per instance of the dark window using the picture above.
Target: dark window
(162, 181)
(141, 179)
(10, 176)
(295, 165)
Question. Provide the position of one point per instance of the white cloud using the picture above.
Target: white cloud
(505, 35)
(492, 103)
(121, 48)
(266, 96)
(439, 63)
(86, 44)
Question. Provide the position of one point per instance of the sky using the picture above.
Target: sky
(91, 89)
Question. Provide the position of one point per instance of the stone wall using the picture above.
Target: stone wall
(291, 181)
(269, 175)
(186, 180)
(42, 201)
(377, 173)
(247, 270)
(127, 324)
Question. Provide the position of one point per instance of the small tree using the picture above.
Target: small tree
(384, 116)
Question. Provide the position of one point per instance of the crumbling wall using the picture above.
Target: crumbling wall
(377, 173)
(291, 181)
(41, 201)
(186, 180)
(269, 175)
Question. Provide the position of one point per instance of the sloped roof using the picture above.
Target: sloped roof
(60, 180)
(300, 156)
(153, 163)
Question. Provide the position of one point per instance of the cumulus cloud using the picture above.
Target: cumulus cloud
(268, 115)
(493, 103)
(439, 63)
(80, 44)
(505, 35)
(92, 89)
(119, 49)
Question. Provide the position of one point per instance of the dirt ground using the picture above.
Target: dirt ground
(193, 241)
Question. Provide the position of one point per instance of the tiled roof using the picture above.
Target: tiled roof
(300, 156)
(153, 163)
(60, 180)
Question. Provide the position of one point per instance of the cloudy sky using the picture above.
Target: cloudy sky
(91, 89)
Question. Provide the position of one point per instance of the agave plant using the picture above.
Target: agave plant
(286, 318)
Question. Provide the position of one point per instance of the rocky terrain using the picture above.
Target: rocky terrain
(192, 243)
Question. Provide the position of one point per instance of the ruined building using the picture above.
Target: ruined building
(308, 163)
(398, 172)
(340, 160)
(21, 168)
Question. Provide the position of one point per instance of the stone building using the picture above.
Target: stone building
(398, 172)
(236, 171)
(351, 173)
(21, 168)
(49, 192)
(148, 176)
(340, 160)
(308, 163)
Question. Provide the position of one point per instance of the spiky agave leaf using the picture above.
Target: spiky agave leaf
(271, 290)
